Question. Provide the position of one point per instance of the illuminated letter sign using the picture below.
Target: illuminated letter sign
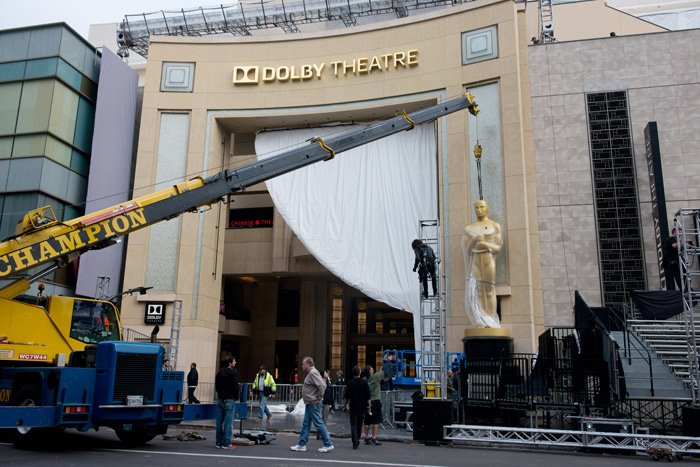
(252, 74)
(251, 218)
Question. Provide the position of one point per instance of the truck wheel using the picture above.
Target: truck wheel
(29, 395)
(137, 436)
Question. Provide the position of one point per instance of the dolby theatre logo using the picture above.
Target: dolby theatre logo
(243, 75)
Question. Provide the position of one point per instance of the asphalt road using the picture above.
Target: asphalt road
(104, 449)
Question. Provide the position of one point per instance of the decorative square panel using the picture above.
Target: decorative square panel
(177, 77)
(479, 45)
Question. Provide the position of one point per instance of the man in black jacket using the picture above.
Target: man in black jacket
(426, 264)
(192, 382)
(226, 384)
(357, 393)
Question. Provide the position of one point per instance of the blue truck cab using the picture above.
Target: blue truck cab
(120, 385)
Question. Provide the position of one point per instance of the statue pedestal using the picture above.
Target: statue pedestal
(487, 343)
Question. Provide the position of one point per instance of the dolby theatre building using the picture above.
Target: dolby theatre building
(264, 275)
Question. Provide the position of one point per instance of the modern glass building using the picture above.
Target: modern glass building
(48, 90)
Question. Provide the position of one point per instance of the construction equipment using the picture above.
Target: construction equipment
(62, 362)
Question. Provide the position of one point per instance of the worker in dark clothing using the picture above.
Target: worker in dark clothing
(357, 393)
(226, 383)
(670, 263)
(192, 382)
(426, 264)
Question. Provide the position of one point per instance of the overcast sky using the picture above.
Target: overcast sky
(80, 14)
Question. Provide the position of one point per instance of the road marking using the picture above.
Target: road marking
(286, 459)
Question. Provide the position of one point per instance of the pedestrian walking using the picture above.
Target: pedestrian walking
(312, 393)
(328, 405)
(357, 394)
(340, 385)
(192, 383)
(226, 383)
(264, 386)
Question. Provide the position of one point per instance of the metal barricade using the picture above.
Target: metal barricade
(388, 398)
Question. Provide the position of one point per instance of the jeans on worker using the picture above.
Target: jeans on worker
(313, 414)
(263, 407)
(224, 421)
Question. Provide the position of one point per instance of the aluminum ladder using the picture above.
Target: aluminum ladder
(433, 368)
(175, 332)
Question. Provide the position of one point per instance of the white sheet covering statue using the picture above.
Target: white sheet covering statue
(481, 242)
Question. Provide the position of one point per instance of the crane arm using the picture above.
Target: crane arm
(41, 239)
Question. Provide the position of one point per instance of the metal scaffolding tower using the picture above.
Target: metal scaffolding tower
(687, 223)
(433, 368)
(241, 18)
(175, 332)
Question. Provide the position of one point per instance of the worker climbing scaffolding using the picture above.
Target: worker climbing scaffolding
(426, 265)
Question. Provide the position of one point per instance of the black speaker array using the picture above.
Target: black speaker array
(429, 416)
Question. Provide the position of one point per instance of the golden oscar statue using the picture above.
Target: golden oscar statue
(481, 242)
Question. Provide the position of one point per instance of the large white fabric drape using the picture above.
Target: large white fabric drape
(358, 213)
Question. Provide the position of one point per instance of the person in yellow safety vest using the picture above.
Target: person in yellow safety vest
(264, 386)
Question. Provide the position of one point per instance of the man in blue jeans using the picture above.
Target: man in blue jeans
(312, 393)
(226, 383)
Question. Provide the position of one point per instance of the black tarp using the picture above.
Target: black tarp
(658, 304)
(595, 347)
(584, 317)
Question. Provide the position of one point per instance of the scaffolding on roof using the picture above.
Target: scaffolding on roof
(240, 19)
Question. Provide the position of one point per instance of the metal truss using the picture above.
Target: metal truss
(644, 443)
(243, 17)
(661, 415)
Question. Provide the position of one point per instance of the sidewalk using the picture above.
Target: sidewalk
(338, 426)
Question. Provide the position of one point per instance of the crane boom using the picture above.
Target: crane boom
(41, 239)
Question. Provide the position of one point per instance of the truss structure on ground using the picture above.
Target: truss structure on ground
(531, 437)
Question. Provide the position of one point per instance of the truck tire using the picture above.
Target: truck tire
(30, 438)
(137, 436)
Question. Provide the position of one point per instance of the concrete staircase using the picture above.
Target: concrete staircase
(643, 363)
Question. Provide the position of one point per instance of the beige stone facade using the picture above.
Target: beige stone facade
(659, 76)
(221, 119)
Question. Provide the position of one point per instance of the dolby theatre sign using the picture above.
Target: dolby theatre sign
(356, 66)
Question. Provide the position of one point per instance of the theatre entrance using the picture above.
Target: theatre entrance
(374, 327)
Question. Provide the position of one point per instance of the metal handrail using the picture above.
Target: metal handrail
(622, 324)
(130, 335)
